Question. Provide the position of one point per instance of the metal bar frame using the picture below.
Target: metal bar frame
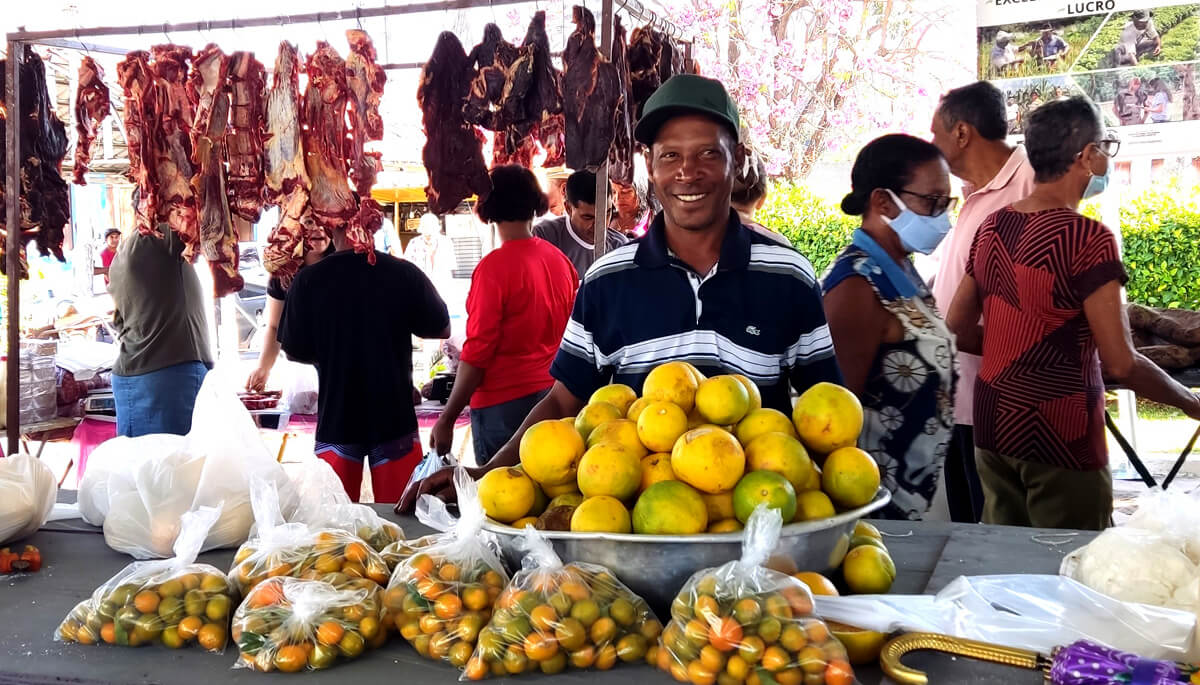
(73, 39)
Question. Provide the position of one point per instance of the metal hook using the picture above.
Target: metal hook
(165, 26)
(358, 17)
(81, 43)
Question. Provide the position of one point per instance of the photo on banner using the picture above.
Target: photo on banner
(1136, 59)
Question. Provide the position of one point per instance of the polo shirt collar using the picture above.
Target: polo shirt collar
(653, 251)
(1016, 160)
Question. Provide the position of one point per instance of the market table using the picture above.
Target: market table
(928, 555)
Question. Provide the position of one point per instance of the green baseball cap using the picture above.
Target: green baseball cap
(686, 94)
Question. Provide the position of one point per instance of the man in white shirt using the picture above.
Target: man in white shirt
(1138, 39)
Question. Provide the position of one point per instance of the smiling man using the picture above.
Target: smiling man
(698, 287)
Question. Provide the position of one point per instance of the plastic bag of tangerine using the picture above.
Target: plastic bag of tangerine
(745, 623)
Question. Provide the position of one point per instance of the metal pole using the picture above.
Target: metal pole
(600, 234)
(12, 198)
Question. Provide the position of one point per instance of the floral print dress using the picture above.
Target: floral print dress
(908, 400)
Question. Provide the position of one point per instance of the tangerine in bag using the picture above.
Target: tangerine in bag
(291, 624)
(441, 597)
(297, 550)
(169, 602)
(744, 623)
(552, 617)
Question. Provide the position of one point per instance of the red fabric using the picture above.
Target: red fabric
(1040, 396)
(106, 259)
(520, 300)
(89, 434)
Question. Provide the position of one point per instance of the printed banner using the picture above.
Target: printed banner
(1136, 59)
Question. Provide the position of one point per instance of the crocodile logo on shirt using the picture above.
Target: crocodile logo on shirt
(753, 330)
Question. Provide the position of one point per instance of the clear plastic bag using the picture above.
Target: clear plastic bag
(553, 616)
(750, 623)
(27, 494)
(1035, 612)
(323, 504)
(168, 602)
(430, 464)
(298, 550)
(138, 488)
(395, 553)
(290, 624)
(441, 597)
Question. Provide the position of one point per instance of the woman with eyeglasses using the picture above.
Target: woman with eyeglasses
(1047, 282)
(894, 350)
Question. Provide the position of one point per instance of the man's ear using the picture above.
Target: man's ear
(963, 134)
(741, 156)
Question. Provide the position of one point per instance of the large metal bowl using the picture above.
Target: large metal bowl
(656, 566)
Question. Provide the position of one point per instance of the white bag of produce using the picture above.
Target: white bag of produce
(323, 503)
(27, 494)
(1036, 612)
(138, 488)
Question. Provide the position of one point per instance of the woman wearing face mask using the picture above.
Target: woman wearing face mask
(895, 352)
(1047, 282)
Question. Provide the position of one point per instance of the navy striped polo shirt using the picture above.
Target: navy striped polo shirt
(758, 313)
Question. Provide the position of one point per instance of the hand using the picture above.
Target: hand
(1193, 410)
(258, 379)
(442, 437)
(440, 484)
(1157, 51)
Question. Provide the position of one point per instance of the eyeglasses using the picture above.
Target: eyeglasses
(1109, 145)
(937, 204)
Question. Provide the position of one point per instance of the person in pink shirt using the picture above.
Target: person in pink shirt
(970, 127)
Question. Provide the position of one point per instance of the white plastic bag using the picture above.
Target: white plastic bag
(138, 488)
(27, 494)
(300, 388)
(430, 464)
(317, 490)
(1036, 612)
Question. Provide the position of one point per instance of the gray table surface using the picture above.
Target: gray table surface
(928, 556)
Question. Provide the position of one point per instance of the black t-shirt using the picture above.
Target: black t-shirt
(355, 323)
(275, 289)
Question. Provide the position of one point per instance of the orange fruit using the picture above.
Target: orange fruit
(775, 659)
(620, 396)
(550, 452)
(850, 477)
(660, 424)
(868, 570)
(447, 606)
(449, 572)
(190, 627)
(212, 637)
(828, 417)
(583, 657)
(606, 658)
(330, 633)
(709, 459)
(672, 382)
(429, 588)
(670, 507)
(725, 634)
(421, 565)
(539, 646)
(699, 675)
(146, 601)
(707, 607)
(108, 633)
(291, 658)
(477, 669)
(265, 595)
(838, 672)
(764, 487)
(475, 598)
(543, 618)
(722, 400)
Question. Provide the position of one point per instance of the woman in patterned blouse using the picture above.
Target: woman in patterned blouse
(894, 350)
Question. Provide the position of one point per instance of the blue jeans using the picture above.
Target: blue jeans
(158, 402)
(493, 426)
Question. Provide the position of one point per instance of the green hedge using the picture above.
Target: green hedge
(1160, 233)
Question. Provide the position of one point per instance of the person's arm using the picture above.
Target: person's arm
(428, 314)
(857, 323)
(966, 310)
(295, 335)
(1109, 324)
(485, 306)
(270, 351)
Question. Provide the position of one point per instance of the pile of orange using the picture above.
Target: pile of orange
(289, 624)
(174, 610)
(441, 604)
(333, 556)
(726, 630)
(577, 616)
(395, 553)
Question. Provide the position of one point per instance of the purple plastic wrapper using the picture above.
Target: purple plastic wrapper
(1087, 663)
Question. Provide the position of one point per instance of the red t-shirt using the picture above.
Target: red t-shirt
(520, 300)
(1040, 395)
(106, 259)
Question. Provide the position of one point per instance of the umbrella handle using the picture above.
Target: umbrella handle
(897, 647)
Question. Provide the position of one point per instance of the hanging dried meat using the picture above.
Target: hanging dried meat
(287, 178)
(365, 79)
(91, 108)
(645, 48)
(491, 60)
(620, 156)
(244, 138)
(670, 59)
(44, 202)
(209, 93)
(452, 155)
(590, 90)
(544, 101)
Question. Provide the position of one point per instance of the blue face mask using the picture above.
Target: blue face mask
(918, 233)
(1096, 184)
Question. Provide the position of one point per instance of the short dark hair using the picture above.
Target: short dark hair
(581, 187)
(515, 196)
(886, 162)
(750, 183)
(1057, 132)
(111, 231)
(979, 104)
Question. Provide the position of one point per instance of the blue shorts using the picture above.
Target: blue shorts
(158, 402)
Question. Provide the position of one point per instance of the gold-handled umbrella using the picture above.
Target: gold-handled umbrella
(1080, 663)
